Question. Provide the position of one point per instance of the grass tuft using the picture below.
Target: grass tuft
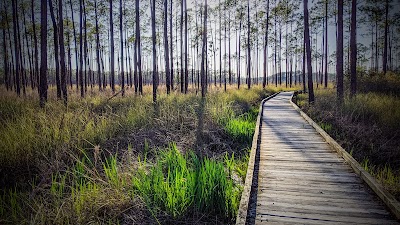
(179, 183)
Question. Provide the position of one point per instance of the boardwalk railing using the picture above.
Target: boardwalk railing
(252, 172)
(384, 195)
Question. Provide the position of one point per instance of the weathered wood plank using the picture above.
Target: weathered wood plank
(310, 218)
(302, 180)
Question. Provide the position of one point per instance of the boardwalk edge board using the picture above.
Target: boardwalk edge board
(385, 196)
(245, 199)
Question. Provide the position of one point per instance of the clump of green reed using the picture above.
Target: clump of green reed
(242, 127)
(111, 172)
(384, 174)
(10, 205)
(179, 183)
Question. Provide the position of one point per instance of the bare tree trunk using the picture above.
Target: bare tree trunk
(240, 31)
(229, 49)
(121, 37)
(31, 72)
(11, 77)
(181, 43)
(339, 52)
(153, 34)
(36, 55)
(353, 48)
(172, 49)
(56, 53)
(16, 49)
(112, 66)
(203, 56)
(265, 80)
(97, 45)
(186, 51)
(81, 48)
(385, 48)
(21, 52)
(139, 51)
(76, 47)
(62, 53)
(304, 66)
(311, 98)
(6, 79)
(248, 46)
(43, 53)
(135, 63)
(85, 46)
(220, 44)
(326, 44)
(225, 26)
(69, 53)
(166, 50)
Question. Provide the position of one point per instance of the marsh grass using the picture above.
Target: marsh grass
(179, 183)
(57, 168)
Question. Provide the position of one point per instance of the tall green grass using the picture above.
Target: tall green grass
(75, 180)
(179, 183)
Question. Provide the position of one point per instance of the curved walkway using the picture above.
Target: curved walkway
(301, 180)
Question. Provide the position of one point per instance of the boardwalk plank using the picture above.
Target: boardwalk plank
(301, 180)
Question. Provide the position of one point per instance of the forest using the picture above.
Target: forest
(143, 111)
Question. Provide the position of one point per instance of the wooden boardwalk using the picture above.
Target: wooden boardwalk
(301, 180)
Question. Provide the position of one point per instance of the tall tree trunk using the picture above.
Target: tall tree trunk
(6, 79)
(339, 52)
(172, 49)
(56, 53)
(353, 48)
(186, 51)
(76, 48)
(16, 49)
(225, 26)
(265, 80)
(11, 65)
(280, 54)
(112, 66)
(229, 49)
(69, 52)
(311, 98)
(248, 46)
(135, 63)
(31, 71)
(85, 46)
(166, 50)
(385, 48)
(21, 52)
(181, 43)
(121, 37)
(326, 44)
(36, 55)
(97, 46)
(139, 51)
(43, 53)
(240, 31)
(220, 44)
(203, 56)
(376, 47)
(153, 34)
(62, 52)
(81, 48)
